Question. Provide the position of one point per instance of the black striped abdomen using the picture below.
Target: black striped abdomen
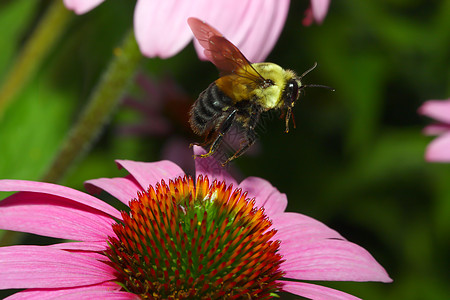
(208, 109)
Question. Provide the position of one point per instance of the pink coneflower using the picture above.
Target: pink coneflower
(179, 239)
(439, 149)
(161, 26)
(252, 25)
(316, 12)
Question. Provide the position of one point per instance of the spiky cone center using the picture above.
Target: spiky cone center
(195, 241)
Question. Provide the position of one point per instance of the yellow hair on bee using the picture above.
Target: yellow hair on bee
(271, 97)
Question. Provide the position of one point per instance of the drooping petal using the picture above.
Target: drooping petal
(44, 267)
(436, 109)
(319, 9)
(160, 26)
(293, 228)
(313, 291)
(252, 26)
(81, 6)
(265, 195)
(54, 216)
(210, 167)
(58, 190)
(122, 188)
(266, 29)
(439, 149)
(331, 259)
(149, 173)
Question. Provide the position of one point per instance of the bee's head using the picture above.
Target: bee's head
(292, 91)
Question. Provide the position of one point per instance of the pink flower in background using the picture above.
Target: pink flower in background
(252, 25)
(439, 149)
(316, 12)
(81, 6)
(162, 105)
(161, 26)
(183, 239)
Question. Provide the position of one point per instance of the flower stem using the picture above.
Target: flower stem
(101, 105)
(41, 42)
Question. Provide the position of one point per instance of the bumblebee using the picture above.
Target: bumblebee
(242, 93)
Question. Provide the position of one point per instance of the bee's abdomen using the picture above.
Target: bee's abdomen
(208, 108)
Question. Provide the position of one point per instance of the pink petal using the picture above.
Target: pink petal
(110, 289)
(436, 109)
(177, 149)
(83, 293)
(309, 18)
(150, 173)
(58, 190)
(293, 227)
(265, 194)
(313, 291)
(439, 149)
(436, 129)
(86, 253)
(160, 26)
(82, 246)
(331, 259)
(53, 216)
(81, 6)
(210, 167)
(253, 26)
(263, 35)
(89, 254)
(125, 189)
(44, 267)
(319, 9)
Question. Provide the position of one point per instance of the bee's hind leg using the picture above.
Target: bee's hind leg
(251, 138)
(223, 129)
(204, 144)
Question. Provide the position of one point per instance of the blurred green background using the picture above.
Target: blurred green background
(355, 160)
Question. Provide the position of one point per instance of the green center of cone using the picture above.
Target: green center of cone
(195, 241)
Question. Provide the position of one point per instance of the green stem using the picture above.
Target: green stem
(101, 105)
(41, 42)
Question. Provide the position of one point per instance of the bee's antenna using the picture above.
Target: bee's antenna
(309, 70)
(313, 85)
(319, 85)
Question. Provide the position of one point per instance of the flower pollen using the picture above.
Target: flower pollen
(196, 241)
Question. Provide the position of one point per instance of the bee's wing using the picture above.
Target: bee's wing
(223, 54)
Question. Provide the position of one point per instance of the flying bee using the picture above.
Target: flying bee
(242, 93)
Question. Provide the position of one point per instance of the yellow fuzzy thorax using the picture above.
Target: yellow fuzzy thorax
(241, 88)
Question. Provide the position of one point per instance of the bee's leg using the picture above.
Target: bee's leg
(223, 129)
(251, 138)
(205, 143)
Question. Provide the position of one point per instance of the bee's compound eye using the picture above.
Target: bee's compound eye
(292, 91)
